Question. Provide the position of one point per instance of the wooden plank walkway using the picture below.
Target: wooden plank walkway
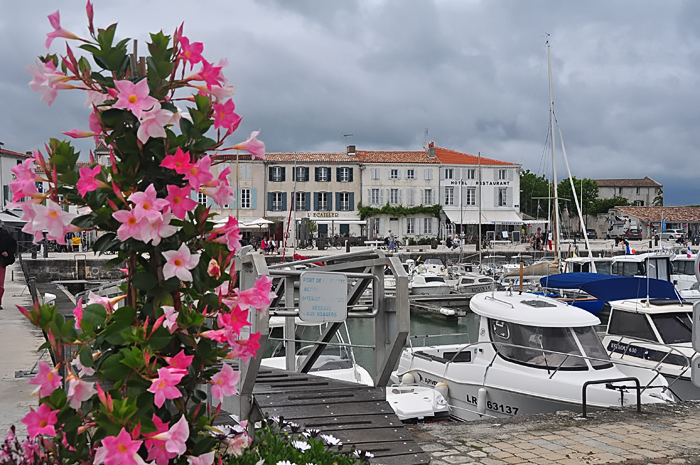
(358, 415)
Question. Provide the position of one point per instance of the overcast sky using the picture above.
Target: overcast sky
(473, 73)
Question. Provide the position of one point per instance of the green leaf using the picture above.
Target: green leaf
(58, 398)
(145, 281)
(113, 333)
(124, 315)
(93, 315)
(113, 368)
(105, 242)
(86, 357)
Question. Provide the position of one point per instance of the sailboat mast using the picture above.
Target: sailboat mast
(478, 236)
(554, 157)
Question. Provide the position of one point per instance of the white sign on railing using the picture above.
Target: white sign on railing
(323, 296)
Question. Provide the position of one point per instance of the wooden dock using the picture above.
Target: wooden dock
(358, 415)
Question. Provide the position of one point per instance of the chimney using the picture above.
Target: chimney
(351, 150)
(431, 150)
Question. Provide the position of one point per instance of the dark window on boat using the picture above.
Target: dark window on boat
(674, 327)
(456, 357)
(593, 347)
(628, 269)
(631, 324)
(602, 267)
(683, 267)
(434, 279)
(546, 348)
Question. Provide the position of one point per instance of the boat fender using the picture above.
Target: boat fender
(442, 389)
(408, 378)
(481, 401)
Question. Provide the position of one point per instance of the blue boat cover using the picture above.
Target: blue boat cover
(610, 287)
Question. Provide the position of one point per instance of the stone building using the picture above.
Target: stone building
(638, 192)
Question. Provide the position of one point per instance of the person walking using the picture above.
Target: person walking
(8, 248)
(392, 241)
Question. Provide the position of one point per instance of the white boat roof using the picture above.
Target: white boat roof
(640, 306)
(588, 259)
(531, 310)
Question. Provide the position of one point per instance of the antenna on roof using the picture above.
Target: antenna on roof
(345, 136)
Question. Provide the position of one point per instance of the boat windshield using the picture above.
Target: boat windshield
(674, 328)
(683, 267)
(433, 261)
(434, 279)
(603, 267)
(547, 348)
(593, 347)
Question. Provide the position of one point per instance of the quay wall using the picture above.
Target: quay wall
(66, 269)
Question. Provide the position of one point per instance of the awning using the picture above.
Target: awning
(502, 217)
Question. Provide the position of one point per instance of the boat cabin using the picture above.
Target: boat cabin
(583, 265)
(652, 265)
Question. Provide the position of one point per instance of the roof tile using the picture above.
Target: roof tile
(644, 182)
(670, 214)
(452, 157)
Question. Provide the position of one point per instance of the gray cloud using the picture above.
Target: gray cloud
(474, 73)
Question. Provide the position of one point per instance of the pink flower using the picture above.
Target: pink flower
(106, 302)
(224, 382)
(245, 348)
(225, 117)
(235, 319)
(258, 296)
(53, 219)
(179, 262)
(218, 92)
(132, 227)
(156, 447)
(180, 162)
(47, 80)
(221, 195)
(164, 386)
(78, 134)
(237, 445)
(180, 362)
(180, 201)
(158, 229)
(95, 98)
(199, 173)
(190, 52)
(204, 459)
(153, 123)
(171, 315)
(79, 391)
(213, 269)
(231, 234)
(88, 182)
(25, 182)
(147, 204)
(134, 97)
(78, 313)
(55, 20)
(47, 380)
(252, 146)
(211, 74)
(176, 437)
(82, 370)
(41, 421)
(120, 450)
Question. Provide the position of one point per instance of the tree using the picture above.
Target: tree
(603, 205)
(532, 186)
(586, 197)
(659, 199)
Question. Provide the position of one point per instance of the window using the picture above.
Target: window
(471, 174)
(620, 191)
(410, 225)
(375, 173)
(449, 174)
(427, 225)
(323, 174)
(410, 174)
(471, 196)
(301, 173)
(276, 199)
(638, 191)
(502, 197)
(674, 328)
(639, 203)
(630, 324)
(428, 173)
(344, 201)
(323, 205)
(502, 175)
(300, 201)
(449, 195)
(428, 197)
(374, 198)
(277, 173)
(201, 198)
(245, 198)
(393, 196)
(393, 174)
(345, 174)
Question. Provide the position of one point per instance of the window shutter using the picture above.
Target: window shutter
(419, 226)
(235, 199)
(458, 173)
(352, 201)
(400, 196)
(330, 198)
(284, 201)
(337, 201)
(350, 177)
(316, 201)
(422, 196)
(294, 173)
(306, 173)
(254, 198)
(337, 174)
(495, 197)
(403, 226)
(442, 174)
(269, 199)
(317, 173)
(270, 169)
(369, 197)
(307, 201)
(284, 173)
(510, 175)
(405, 174)
(435, 225)
(510, 201)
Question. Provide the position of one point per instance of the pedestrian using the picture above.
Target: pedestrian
(392, 241)
(263, 245)
(8, 248)
(448, 242)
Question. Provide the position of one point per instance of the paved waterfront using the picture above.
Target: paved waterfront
(666, 434)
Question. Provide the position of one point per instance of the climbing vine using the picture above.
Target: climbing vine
(400, 211)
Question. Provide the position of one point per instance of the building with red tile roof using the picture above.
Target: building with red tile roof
(639, 192)
(650, 219)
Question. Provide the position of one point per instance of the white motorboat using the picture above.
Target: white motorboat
(474, 283)
(656, 333)
(583, 265)
(429, 284)
(656, 265)
(433, 266)
(533, 355)
(685, 271)
(336, 361)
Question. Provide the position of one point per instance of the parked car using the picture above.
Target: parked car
(591, 233)
(635, 234)
(673, 234)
